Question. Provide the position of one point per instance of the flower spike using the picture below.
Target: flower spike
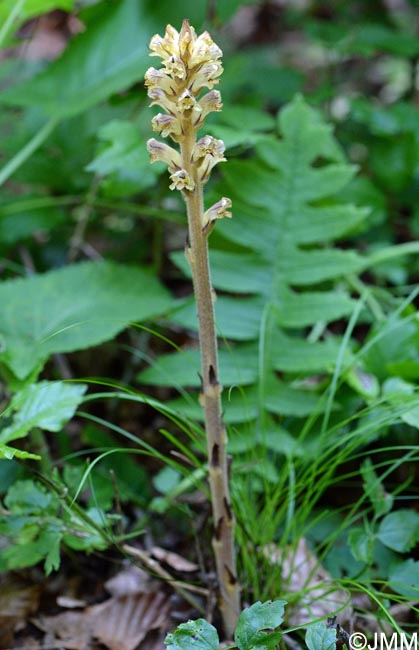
(191, 63)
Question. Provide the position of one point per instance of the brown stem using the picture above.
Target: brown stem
(197, 255)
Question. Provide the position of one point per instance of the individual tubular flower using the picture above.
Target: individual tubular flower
(161, 152)
(159, 79)
(209, 103)
(181, 180)
(160, 98)
(207, 152)
(219, 210)
(166, 125)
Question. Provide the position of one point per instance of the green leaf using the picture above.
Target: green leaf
(404, 579)
(381, 501)
(73, 308)
(364, 383)
(361, 545)
(8, 453)
(243, 404)
(193, 635)
(182, 368)
(237, 319)
(48, 405)
(253, 620)
(399, 530)
(320, 637)
(27, 497)
(108, 57)
(22, 219)
(125, 155)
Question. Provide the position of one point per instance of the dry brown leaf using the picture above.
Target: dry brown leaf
(122, 623)
(173, 559)
(302, 573)
(119, 623)
(67, 602)
(17, 602)
(131, 580)
(74, 630)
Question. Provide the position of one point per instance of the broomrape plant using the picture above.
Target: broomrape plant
(191, 64)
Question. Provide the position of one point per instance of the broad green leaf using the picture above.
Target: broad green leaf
(47, 405)
(195, 635)
(242, 405)
(392, 340)
(404, 578)
(254, 620)
(320, 637)
(182, 368)
(125, 155)
(399, 530)
(361, 545)
(237, 319)
(402, 395)
(108, 57)
(73, 308)
(22, 219)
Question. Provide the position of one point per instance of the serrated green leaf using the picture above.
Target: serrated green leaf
(193, 635)
(320, 637)
(399, 530)
(48, 405)
(254, 620)
(73, 308)
(125, 154)
(27, 497)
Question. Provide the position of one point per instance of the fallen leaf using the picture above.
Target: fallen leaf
(17, 602)
(302, 573)
(173, 559)
(131, 580)
(122, 623)
(70, 603)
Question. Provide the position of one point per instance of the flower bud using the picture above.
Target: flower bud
(181, 180)
(187, 38)
(165, 47)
